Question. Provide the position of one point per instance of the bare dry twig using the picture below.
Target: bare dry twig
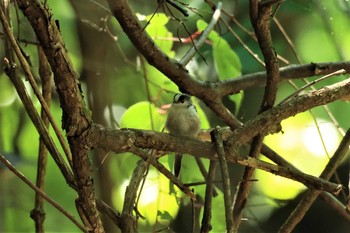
(35, 87)
(38, 213)
(193, 50)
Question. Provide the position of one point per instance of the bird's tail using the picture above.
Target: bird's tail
(177, 164)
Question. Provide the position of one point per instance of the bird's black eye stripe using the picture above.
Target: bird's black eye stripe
(182, 98)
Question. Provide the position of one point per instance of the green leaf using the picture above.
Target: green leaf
(7, 91)
(156, 28)
(204, 121)
(161, 35)
(165, 215)
(143, 115)
(237, 99)
(159, 82)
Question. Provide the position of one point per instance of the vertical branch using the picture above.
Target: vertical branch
(217, 138)
(260, 19)
(97, 68)
(76, 117)
(129, 222)
(38, 213)
(209, 190)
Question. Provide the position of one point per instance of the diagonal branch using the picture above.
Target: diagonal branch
(311, 195)
(40, 192)
(193, 50)
(154, 56)
(267, 120)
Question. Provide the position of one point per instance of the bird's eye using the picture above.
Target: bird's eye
(182, 98)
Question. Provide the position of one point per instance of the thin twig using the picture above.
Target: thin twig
(251, 52)
(309, 84)
(193, 50)
(204, 173)
(288, 39)
(177, 7)
(330, 199)
(40, 192)
(162, 169)
(38, 213)
(34, 116)
(32, 82)
(148, 91)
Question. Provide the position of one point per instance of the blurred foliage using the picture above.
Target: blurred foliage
(320, 31)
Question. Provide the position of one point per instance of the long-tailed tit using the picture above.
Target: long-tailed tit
(183, 120)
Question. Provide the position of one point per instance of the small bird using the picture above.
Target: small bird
(183, 120)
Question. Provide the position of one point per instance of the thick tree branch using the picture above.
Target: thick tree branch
(65, 76)
(209, 92)
(118, 140)
(269, 119)
(76, 119)
(260, 19)
(154, 56)
(258, 79)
